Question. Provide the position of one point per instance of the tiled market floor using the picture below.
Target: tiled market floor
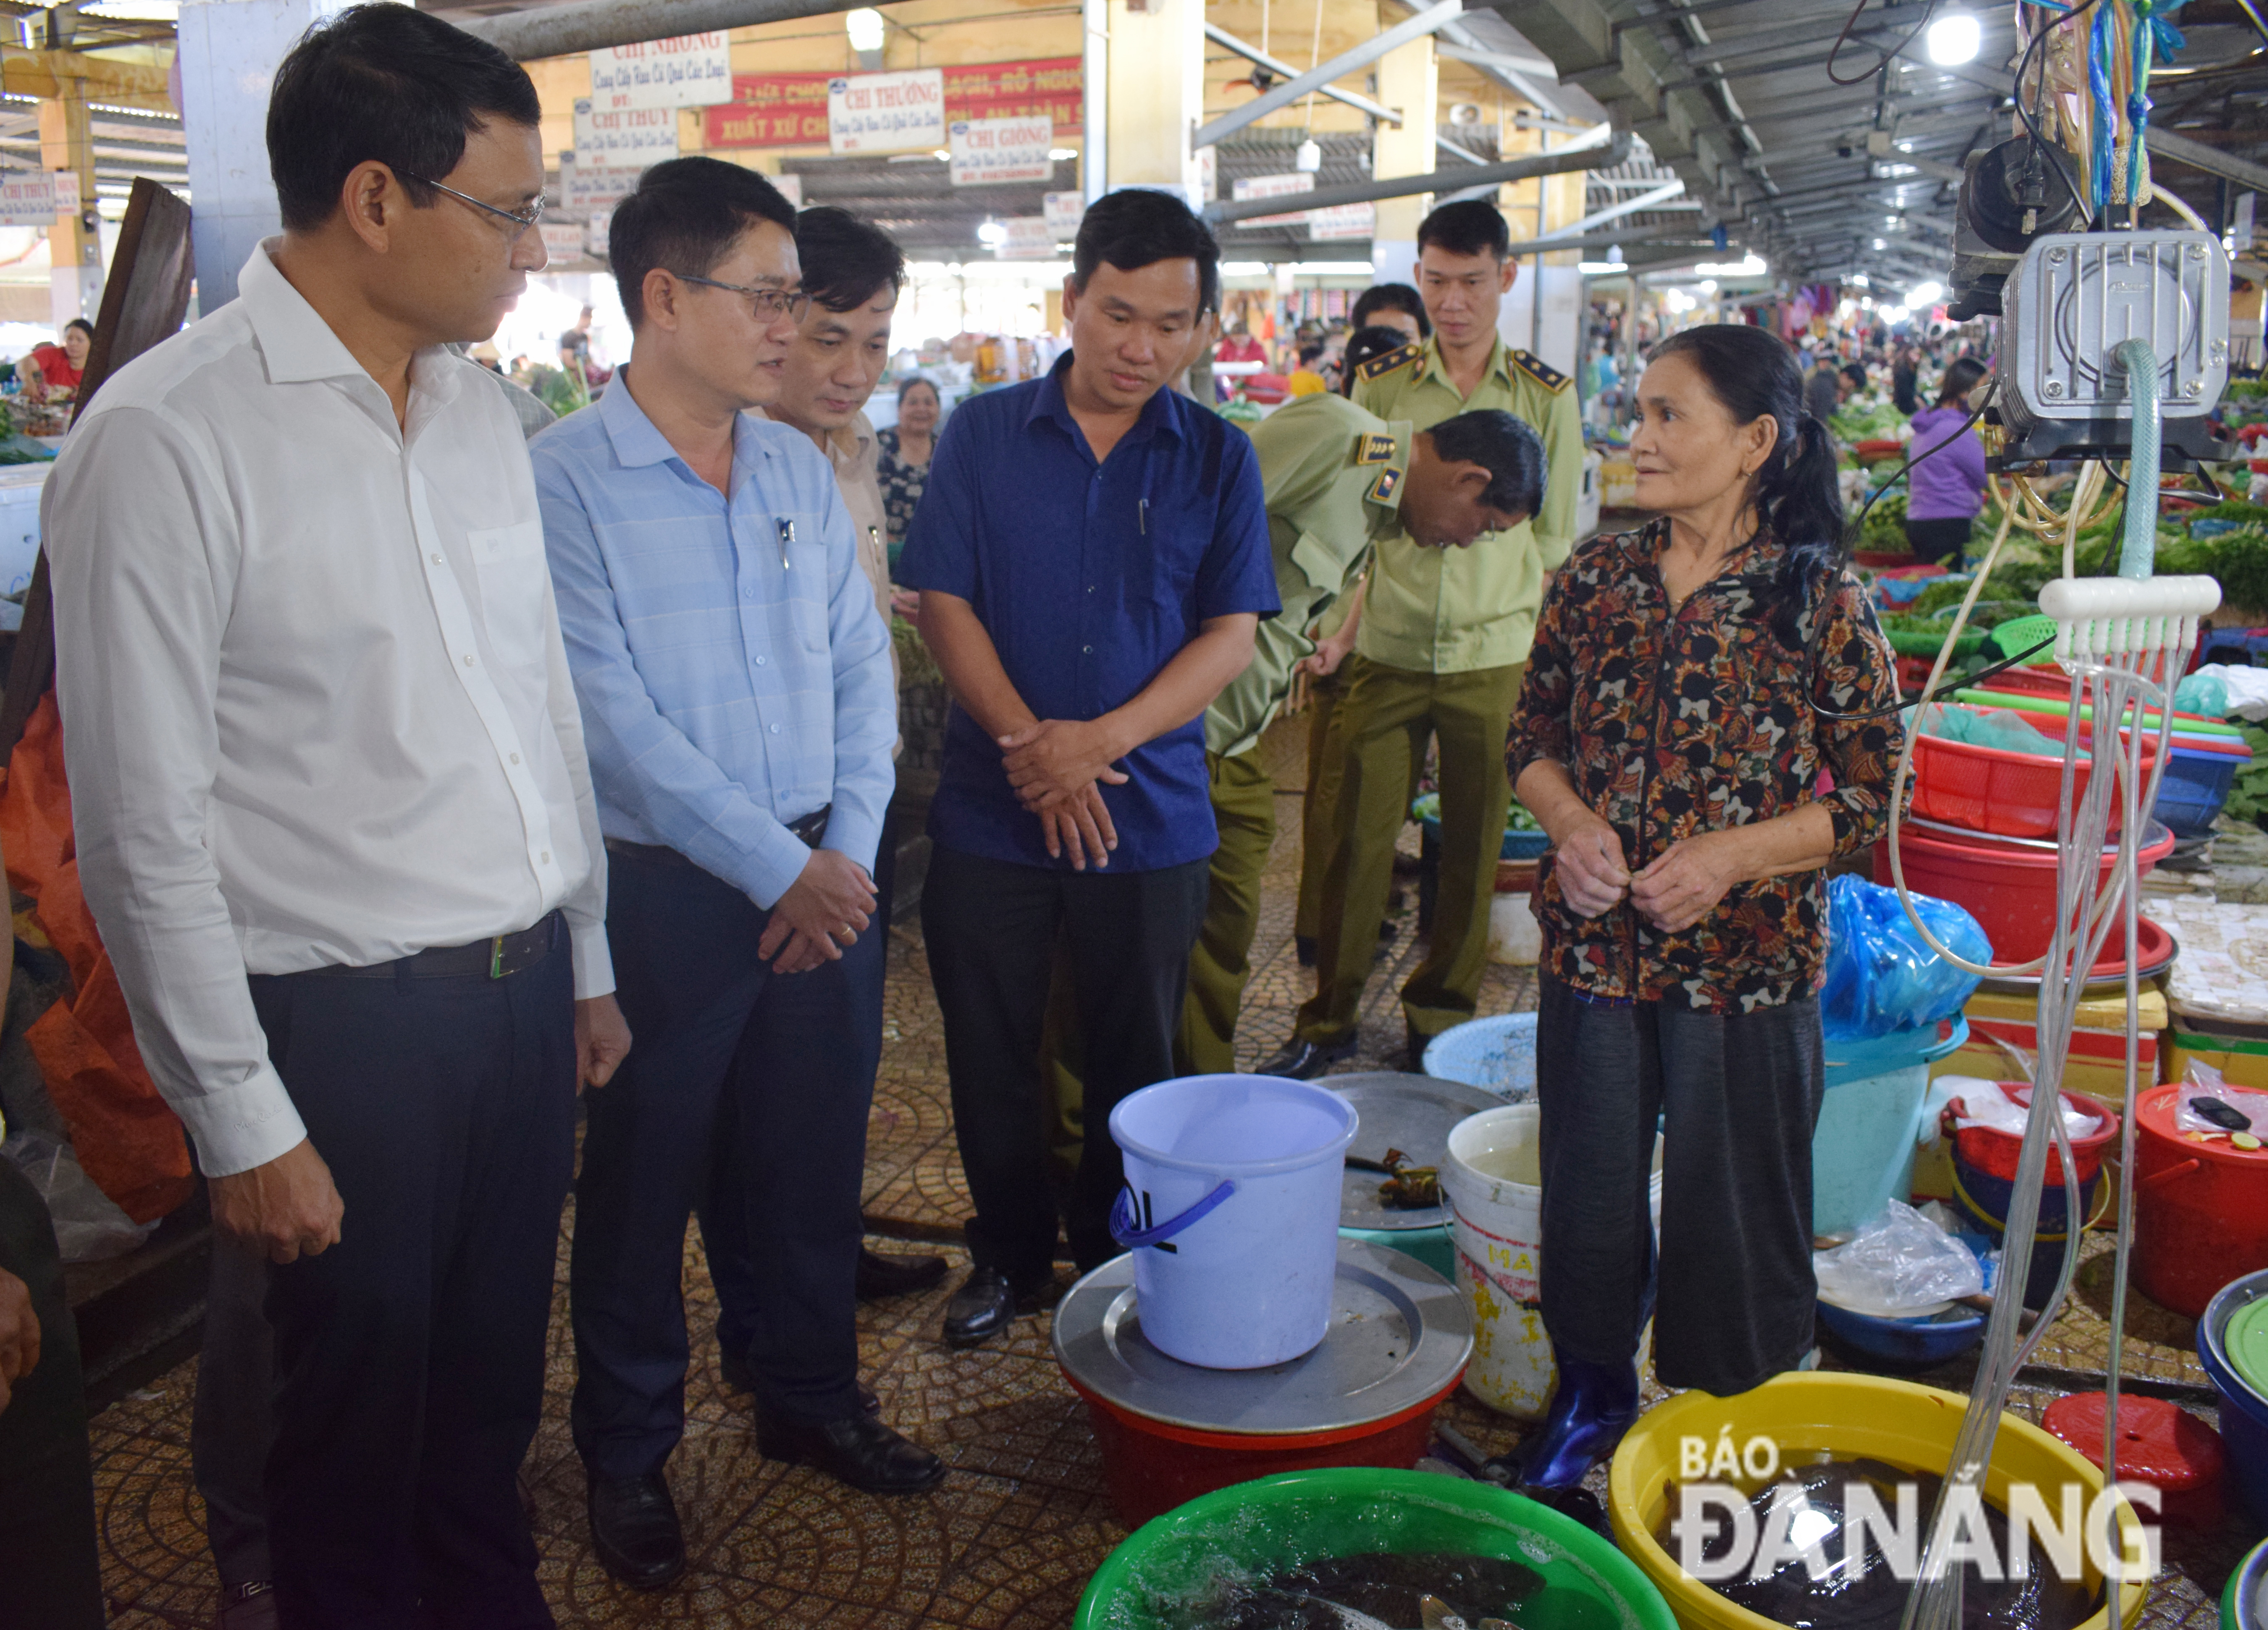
(1021, 1521)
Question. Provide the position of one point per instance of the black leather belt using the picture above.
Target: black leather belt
(811, 828)
(497, 958)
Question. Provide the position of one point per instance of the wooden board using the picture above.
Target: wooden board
(144, 304)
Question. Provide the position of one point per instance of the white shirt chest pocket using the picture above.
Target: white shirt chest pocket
(514, 577)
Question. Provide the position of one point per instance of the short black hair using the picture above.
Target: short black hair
(1856, 374)
(79, 322)
(1375, 341)
(1961, 377)
(846, 262)
(684, 218)
(1500, 444)
(1470, 227)
(906, 385)
(388, 83)
(1392, 296)
(1311, 352)
(1138, 226)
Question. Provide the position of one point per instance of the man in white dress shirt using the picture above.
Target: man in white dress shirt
(333, 816)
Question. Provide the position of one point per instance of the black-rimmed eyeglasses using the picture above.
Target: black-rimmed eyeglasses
(768, 304)
(521, 219)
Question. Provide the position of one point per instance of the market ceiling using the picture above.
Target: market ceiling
(1735, 96)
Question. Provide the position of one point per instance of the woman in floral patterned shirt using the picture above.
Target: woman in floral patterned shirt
(1689, 683)
(903, 467)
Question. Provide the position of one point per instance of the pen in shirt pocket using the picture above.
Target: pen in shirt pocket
(1142, 515)
(786, 537)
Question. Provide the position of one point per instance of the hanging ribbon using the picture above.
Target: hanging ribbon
(2154, 33)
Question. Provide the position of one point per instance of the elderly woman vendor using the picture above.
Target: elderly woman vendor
(1689, 683)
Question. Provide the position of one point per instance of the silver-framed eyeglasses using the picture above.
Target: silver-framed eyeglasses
(768, 303)
(522, 220)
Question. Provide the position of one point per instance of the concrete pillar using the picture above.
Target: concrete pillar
(74, 245)
(1408, 83)
(229, 50)
(1155, 95)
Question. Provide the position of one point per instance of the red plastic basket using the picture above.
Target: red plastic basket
(2003, 794)
(1994, 1152)
(2010, 892)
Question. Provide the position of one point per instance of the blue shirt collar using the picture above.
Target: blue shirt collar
(637, 444)
(1157, 416)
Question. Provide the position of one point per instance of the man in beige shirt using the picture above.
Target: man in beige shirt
(853, 271)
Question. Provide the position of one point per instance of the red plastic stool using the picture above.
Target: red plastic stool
(2169, 1448)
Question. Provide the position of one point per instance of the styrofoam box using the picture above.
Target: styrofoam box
(20, 486)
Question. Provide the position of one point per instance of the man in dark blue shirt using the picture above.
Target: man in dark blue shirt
(1092, 555)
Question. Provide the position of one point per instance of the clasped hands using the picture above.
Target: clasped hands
(1059, 768)
(1681, 887)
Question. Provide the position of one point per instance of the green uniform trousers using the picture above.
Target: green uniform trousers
(1244, 809)
(1319, 813)
(1385, 715)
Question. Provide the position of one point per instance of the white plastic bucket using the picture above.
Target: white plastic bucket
(1231, 1208)
(1493, 1178)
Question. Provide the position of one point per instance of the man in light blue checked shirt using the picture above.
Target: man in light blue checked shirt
(734, 678)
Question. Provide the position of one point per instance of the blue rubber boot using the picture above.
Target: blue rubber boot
(1593, 1407)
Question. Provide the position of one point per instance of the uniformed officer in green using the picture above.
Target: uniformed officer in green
(1440, 645)
(1337, 479)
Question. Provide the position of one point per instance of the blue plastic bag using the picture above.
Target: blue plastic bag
(1881, 976)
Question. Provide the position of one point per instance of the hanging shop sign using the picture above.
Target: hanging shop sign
(585, 187)
(1064, 212)
(791, 110)
(1275, 187)
(692, 71)
(36, 197)
(989, 150)
(564, 240)
(624, 138)
(1028, 239)
(892, 113)
(1344, 221)
(595, 233)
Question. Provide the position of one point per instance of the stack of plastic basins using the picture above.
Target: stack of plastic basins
(2231, 1345)
(1983, 835)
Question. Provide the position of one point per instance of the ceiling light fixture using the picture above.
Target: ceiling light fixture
(865, 28)
(1955, 38)
(991, 232)
(1309, 156)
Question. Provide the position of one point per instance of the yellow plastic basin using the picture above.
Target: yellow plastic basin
(1906, 1425)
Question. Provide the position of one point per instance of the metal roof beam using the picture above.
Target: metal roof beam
(1611, 147)
(1428, 21)
(1285, 70)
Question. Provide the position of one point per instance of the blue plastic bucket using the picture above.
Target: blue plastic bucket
(2243, 1412)
(1876, 1104)
(1495, 1054)
(2195, 788)
(1231, 1208)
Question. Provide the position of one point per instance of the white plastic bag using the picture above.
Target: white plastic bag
(1900, 1264)
(2205, 1081)
(89, 1226)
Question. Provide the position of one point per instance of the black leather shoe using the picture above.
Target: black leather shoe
(1300, 1059)
(247, 1607)
(881, 1276)
(634, 1530)
(857, 1449)
(988, 1302)
(733, 1371)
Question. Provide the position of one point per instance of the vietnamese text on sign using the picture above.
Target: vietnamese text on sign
(624, 138)
(892, 112)
(790, 110)
(692, 71)
(36, 197)
(986, 151)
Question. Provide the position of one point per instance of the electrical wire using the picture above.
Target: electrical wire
(2050, 151)
(1888, 57)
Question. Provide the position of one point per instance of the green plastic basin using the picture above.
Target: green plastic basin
(1297, 1517)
